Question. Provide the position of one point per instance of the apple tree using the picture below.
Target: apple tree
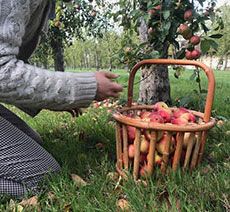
(181, 26)
(73, 20)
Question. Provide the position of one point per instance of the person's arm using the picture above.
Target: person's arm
(31, 88)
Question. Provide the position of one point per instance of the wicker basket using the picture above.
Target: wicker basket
(194, 150)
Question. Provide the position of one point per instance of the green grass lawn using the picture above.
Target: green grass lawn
(74, 144)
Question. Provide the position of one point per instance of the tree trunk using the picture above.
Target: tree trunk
(58, 56)
(154, 85)
(225, 63)
(86, 61)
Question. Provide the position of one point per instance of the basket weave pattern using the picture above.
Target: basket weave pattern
(198, 131)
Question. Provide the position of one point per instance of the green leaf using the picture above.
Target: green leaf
(216, 36)
(185, 100)
(154, 54)
(205, 46)
(150, 5)
(192, 77)
(180, 54)
(166, 14)
(214, 45)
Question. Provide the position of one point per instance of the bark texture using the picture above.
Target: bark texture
(154, 85)
(58, 57)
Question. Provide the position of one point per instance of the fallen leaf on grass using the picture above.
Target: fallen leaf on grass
(51, 196)
(78, 180)
(113, 176)
(123, 205)
(67, 207)
(32, 202)
(13, 207)
(206, 170)
(117, 186)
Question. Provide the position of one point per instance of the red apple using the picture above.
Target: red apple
(188, 55)
(189, 116)
(160, 105)
(183, 29)
(131, 133)
(145, 114)
(147, 134)
(158, 7)
(144, 144)
(179, 111)
(188, 15)
(196, 54)
(179, 121)
(144, 171)
(195, 40)
(96, 105)
(161, 144)
(185, 139)
(142, 158)
(58, 23)
(187, 36)
(206, 13)
(158, 158)
(78, 7)
(155, 117)
(166, 114)
(131, 151)
(152, 13)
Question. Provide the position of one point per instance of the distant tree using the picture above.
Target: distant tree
(73, 21)
(224, 42)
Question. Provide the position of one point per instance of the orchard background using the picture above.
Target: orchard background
(91, 35)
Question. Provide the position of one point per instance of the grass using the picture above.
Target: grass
(74, 144)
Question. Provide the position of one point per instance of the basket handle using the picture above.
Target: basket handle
(208, 71)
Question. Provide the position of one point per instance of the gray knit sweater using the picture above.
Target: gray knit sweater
(28, 87)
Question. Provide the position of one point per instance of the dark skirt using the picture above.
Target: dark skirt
(23, 161)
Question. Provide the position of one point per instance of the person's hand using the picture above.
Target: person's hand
(75, 112)
(105, 87)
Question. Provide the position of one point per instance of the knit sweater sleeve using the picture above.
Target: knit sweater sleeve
(28, 87)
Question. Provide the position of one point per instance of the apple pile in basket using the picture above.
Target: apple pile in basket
(161, 114)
